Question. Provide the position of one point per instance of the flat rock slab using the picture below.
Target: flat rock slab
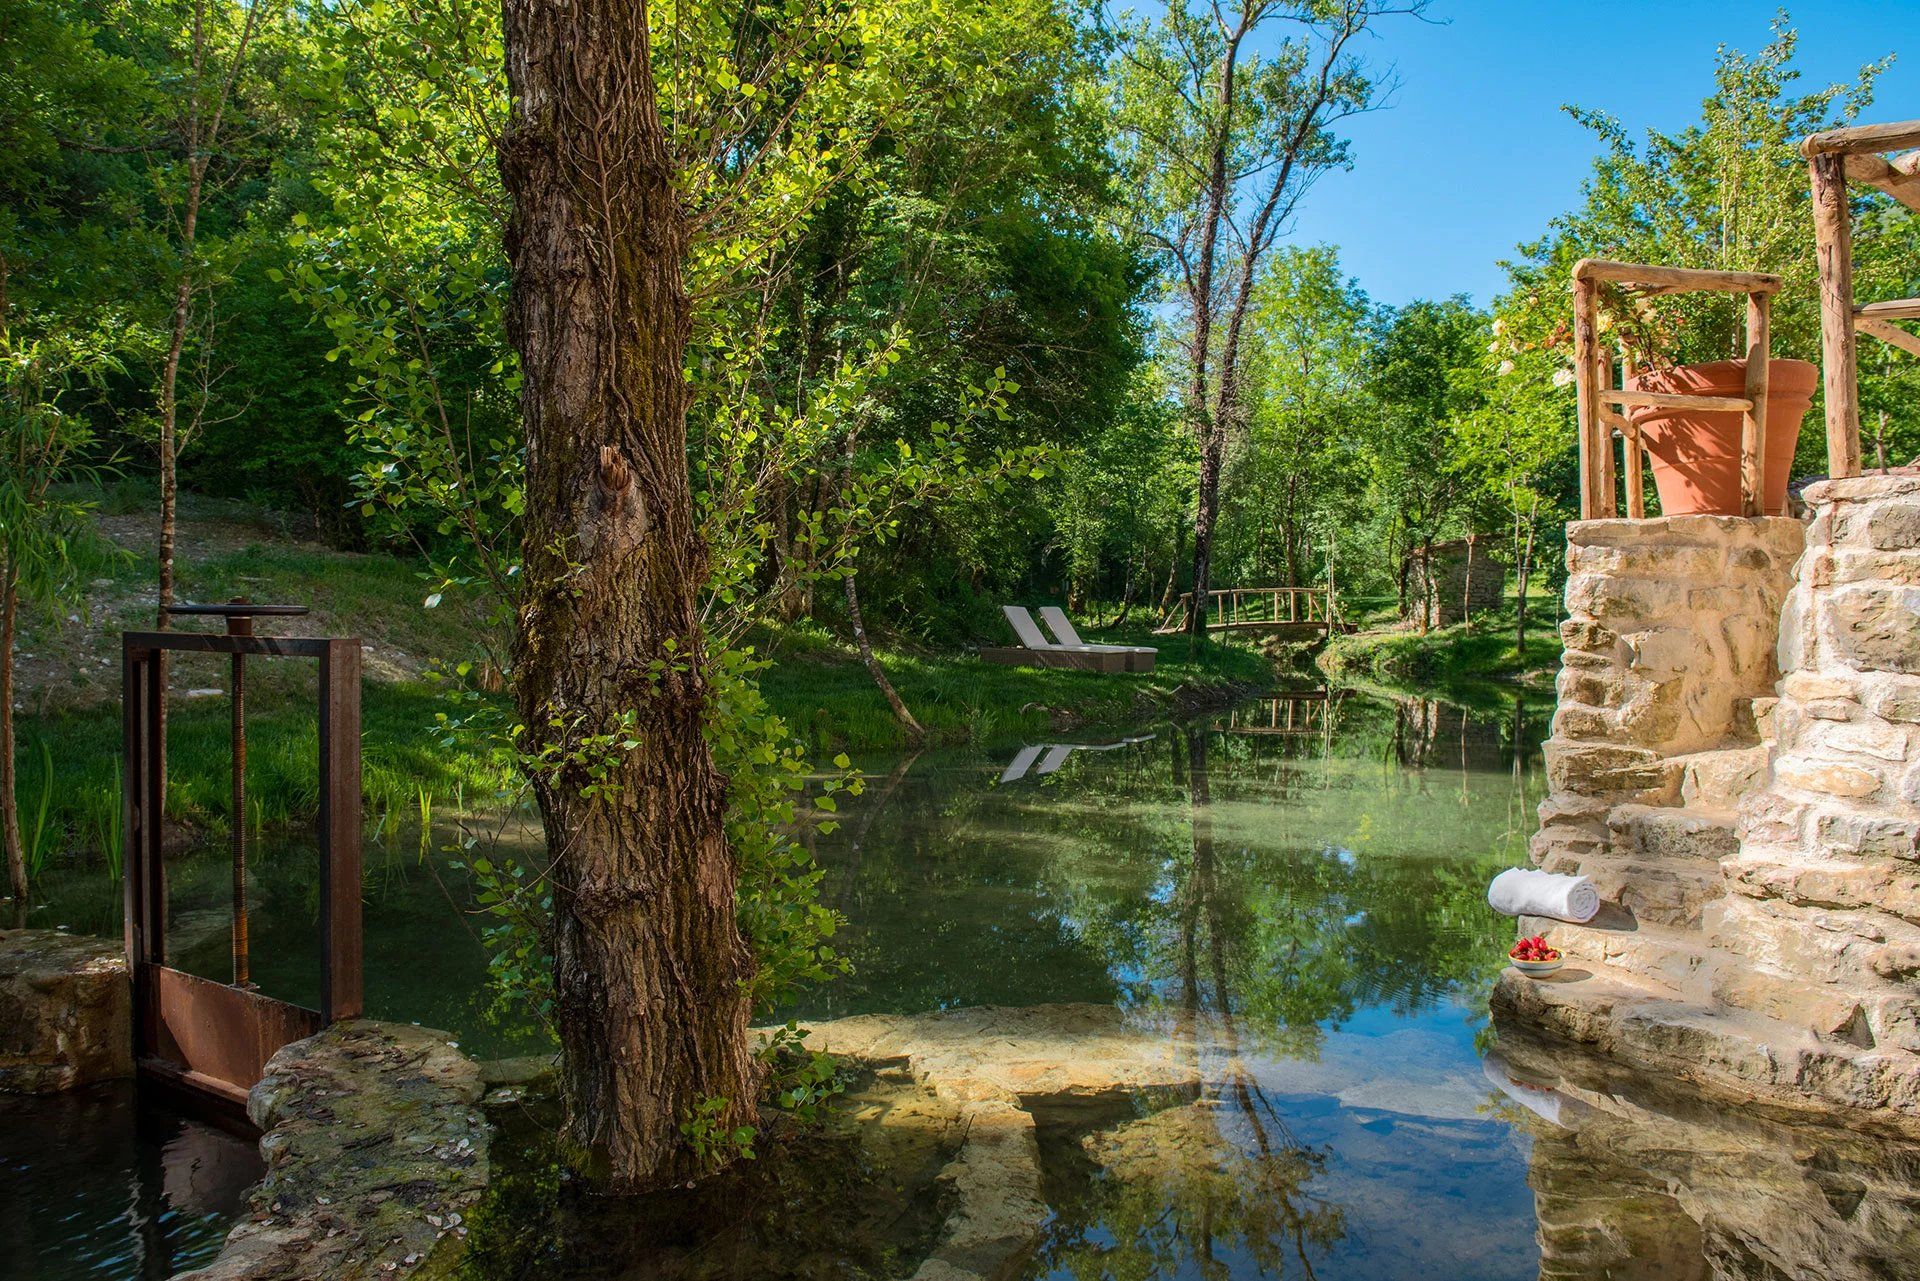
(375, 1149)
(1048, 1059)
(1756, 1062)
(66, 1011)
(1010, 1069)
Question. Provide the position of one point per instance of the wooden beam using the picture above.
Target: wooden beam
(1753, 423)
(1587, 401)
(1899, 179)
(1609, 469)
(1891, 309)
(1675, 400)
(1888, 137)
(1675, 279)
(1839, 361)
(1891, 334)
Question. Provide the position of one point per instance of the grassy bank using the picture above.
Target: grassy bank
(69, 719)
(820, 687)
(1484, 652)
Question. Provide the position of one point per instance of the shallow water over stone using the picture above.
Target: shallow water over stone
(1273, 924)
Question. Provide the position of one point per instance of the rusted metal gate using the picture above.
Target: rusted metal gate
(203, 1038)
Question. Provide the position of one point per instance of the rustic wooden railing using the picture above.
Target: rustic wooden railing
(1833, 159)
(1600, 401)
(1256, 607)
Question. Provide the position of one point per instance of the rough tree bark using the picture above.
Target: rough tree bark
(650, 966)
(9, 807)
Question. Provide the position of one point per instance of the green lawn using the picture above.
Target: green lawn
(70, 730)
(1482, 652)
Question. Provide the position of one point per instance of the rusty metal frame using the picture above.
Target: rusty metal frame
(196, 1036)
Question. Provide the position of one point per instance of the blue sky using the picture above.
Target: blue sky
(1475, 155)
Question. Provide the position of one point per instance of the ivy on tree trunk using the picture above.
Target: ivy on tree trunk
(650, 966)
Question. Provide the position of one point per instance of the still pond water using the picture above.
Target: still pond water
(1313, 867)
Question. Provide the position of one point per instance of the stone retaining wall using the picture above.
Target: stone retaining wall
(66, 1011)
(1670, 636)
(1824, 910)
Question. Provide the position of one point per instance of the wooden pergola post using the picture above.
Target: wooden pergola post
(1596, 502)
(1833, 159)
(1839, 356)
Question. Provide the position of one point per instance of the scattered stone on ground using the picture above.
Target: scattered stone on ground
(375, 1151)
(66, 1011)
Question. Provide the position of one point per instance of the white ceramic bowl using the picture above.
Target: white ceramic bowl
(1537, 969)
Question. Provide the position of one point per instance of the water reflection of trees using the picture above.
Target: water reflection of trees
(1334, 880)
(1255, 880)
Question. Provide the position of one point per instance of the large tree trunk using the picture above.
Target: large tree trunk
(9, 799)
(650, 967)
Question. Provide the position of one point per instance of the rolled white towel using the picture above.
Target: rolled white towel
(1526, 891)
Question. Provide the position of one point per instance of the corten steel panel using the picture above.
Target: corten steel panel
(340, 942)
(216, 1030)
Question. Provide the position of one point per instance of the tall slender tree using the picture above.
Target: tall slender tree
(1223, 141)
(650, 965)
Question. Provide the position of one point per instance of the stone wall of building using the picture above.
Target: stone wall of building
(1454, 579)
(66, 1011)
(1669, 644)
(1823, 914)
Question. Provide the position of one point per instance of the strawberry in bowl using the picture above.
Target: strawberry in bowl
(1535, 956)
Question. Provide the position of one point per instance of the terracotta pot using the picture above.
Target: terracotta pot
(1696, 453)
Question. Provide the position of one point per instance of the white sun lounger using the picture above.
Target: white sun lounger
(1035, 650)
(1139, 657)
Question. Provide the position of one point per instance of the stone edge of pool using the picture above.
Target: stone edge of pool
(377, 1145)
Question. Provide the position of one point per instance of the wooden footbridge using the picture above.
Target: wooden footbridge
(1296, 611)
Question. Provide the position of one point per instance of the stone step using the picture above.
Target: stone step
(1666, 956)
(1721, 778)
(1659, 891)
(1673, 832)
(1752, 1057)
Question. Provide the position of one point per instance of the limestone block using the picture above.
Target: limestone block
(1648, 560)
(375, 1150)
(1625, 600)
(1854, 566)
(1594, 768)
(1723, 777)
(1894, 526)
(1574, 719)
(1585, 636)
(1806, 686)
(1873, 628)
(1845, 729)
(1878, 885)
(1665, 652)
(66, 1011)
(1795, 649)
(1826, 778)
(1888, 695)
(1602, 688)
(1859, 950)
(1871, 835)
(1768, 818)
